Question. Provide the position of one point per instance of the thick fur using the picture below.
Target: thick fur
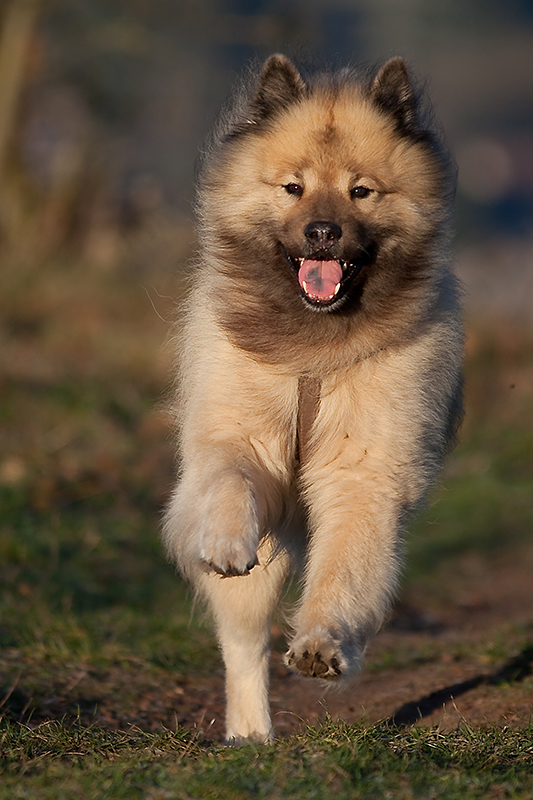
(386, 353)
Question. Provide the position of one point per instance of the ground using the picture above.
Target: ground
(96, 626)
(467, 661)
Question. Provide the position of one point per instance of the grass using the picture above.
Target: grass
(56, 761)
(96, 631)
(485, 503)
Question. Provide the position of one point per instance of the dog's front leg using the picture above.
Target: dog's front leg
(229, 529)
(222, 506)
(217, 529)
(351, 571)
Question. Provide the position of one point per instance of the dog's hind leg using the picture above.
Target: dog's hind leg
(242, 607)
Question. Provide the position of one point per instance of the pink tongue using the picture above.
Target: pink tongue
(320, 279)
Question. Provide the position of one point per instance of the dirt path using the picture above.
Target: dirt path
(467, 660)
(457, 651)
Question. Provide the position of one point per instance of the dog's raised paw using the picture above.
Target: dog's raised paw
(228, 570)
(316, 659)
(228, 555)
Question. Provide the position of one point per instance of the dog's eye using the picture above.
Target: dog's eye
(294, 188)
(360, 191)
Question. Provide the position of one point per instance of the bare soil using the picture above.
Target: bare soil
(466, 659)
(457, 652)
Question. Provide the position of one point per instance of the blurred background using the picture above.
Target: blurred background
(103, 108)
(104, 105)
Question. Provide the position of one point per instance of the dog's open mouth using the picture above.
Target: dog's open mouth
(320, 280)
(324, 282)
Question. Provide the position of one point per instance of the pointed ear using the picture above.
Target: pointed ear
(391, 90)
(280, 85)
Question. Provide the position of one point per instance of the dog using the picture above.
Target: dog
(319, 367)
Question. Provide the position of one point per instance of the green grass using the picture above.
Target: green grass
(334, 760)
(486, 511)
(484, 504)
(95, 627)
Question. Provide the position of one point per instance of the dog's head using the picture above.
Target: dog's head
(349, 167)
(332, 191)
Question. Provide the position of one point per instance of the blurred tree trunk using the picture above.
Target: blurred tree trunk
(17, 25)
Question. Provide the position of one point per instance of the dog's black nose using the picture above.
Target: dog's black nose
(322, 233)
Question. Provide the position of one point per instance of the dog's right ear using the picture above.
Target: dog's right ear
(280, 85)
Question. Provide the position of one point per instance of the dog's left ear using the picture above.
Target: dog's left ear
(391, 90)
(280, 85)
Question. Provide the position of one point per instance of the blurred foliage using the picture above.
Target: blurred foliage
(485, 505)
(113, 98)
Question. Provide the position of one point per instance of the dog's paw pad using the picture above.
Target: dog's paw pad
(315, 663)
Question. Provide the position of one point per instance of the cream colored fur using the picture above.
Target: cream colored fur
(368, 465)
(244, 512)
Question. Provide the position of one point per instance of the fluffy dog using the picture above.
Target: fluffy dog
(319, 367)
